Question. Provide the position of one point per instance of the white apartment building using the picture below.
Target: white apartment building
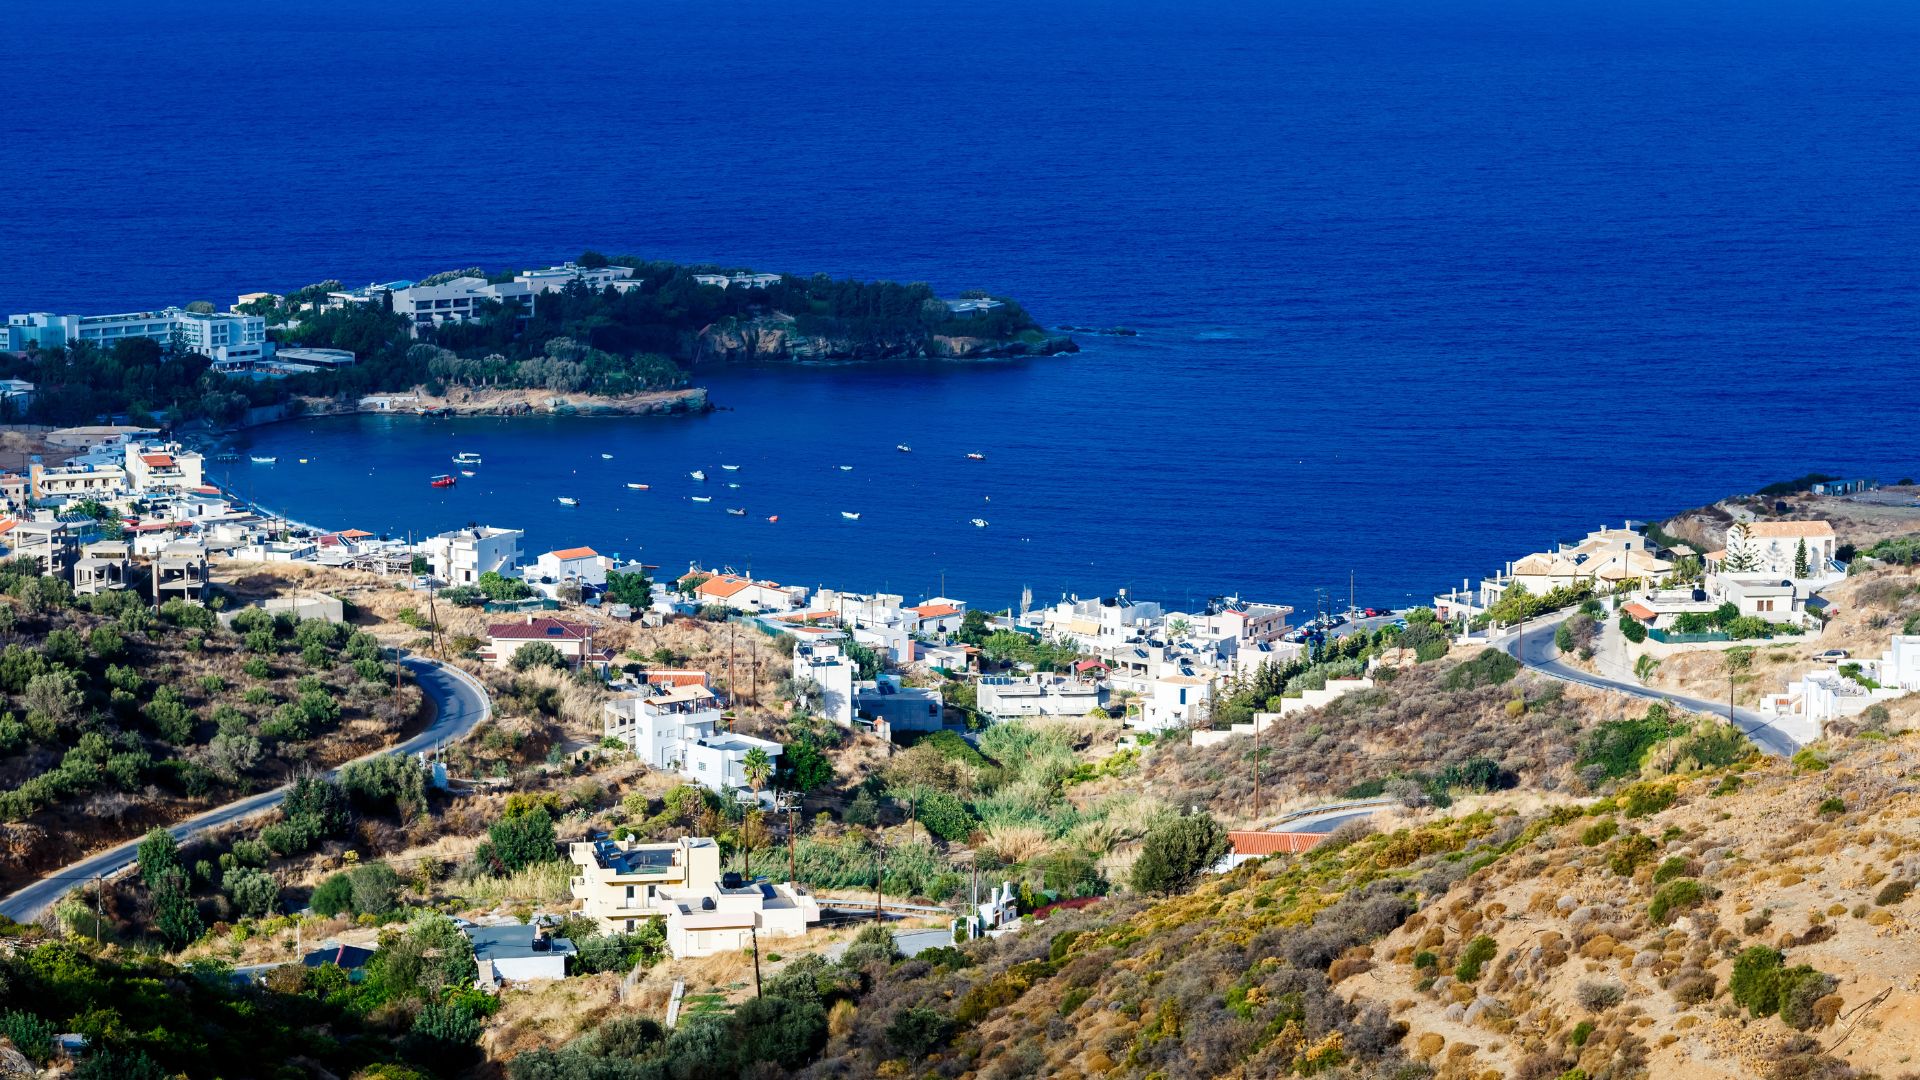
(827, 666)
(621, 883)
(555, 278)
(225, 338)
(154, 468)
(1005, 697)
(676, 728)
(1098, 624)
(461, 556)
(457, 300)
(738, 281)
(1176, 701)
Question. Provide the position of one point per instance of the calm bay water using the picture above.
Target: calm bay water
(1420, 286)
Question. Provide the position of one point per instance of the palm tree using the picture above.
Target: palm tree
(757, 767)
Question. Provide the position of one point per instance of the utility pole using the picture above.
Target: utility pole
(99, 906)
(792, 800)
(1256, 770)
(879, 872)
(755, 931)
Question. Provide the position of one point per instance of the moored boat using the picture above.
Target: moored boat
(442, 480)
(466, 457)
(773, 517)
(850, 515)
(466, 472)
(731, 468)
(638, 487)
(568, 500)
(606, 457)
(979, 523)
(976, 457)
(698, 474)
(737, 511)
(702, 498)
(257, 460)
(903, 448)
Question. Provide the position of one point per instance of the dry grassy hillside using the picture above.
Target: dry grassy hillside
(1406, 737)
(1610, 943)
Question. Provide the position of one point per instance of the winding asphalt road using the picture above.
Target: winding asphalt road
(460, 702)
(1542, 656)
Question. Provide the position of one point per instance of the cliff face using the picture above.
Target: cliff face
(778, 339)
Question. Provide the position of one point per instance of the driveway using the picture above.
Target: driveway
(459, 700)
(1541, 655)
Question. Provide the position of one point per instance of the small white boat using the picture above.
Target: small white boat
(466, 457)
(903, 448)
(303, 461)
(568, 500)
(849, 515)
(844, 468)
(733, 485)
(976, 457)
(979, 523)
(697, 474)
(637, 487)
(606, 457)
(264, 460)
(731, 468)
(737, 511)
(466, 472)
(702, 498)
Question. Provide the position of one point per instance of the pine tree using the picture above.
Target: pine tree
(1800, 568)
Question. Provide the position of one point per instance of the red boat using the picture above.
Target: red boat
(443, 480)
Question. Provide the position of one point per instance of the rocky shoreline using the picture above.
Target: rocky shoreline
(779, 339)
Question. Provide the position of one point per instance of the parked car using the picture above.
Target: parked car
(1831, 656)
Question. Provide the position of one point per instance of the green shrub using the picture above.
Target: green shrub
(31, 1035)
(1582, 1031)
(1618, 747)
(1808, 761)
(1424, 960)
(1474, 957)
(1675, 897)
(1490, 668)
(1629, 852)
(1641, 800)
(1670, 868)
(1763, 984)
(1893, 892)
(1832, 805)
(1599, 832)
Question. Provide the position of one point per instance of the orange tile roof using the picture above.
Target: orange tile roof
(676, 678)
(355, 534)
(1273, 843)
(722, 587)
(935, 611)
(1789, 528)
(158, 461)
(8, 525)
(1639, 611)
(575, 553)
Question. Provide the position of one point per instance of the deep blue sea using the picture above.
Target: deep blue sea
(1420, 286)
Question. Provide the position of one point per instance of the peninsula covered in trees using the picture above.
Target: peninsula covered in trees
(647, 336)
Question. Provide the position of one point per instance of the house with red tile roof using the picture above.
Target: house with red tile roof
(743, 593)
(573, 640)
(577, 566)
(938, 616)
(1248, 846)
